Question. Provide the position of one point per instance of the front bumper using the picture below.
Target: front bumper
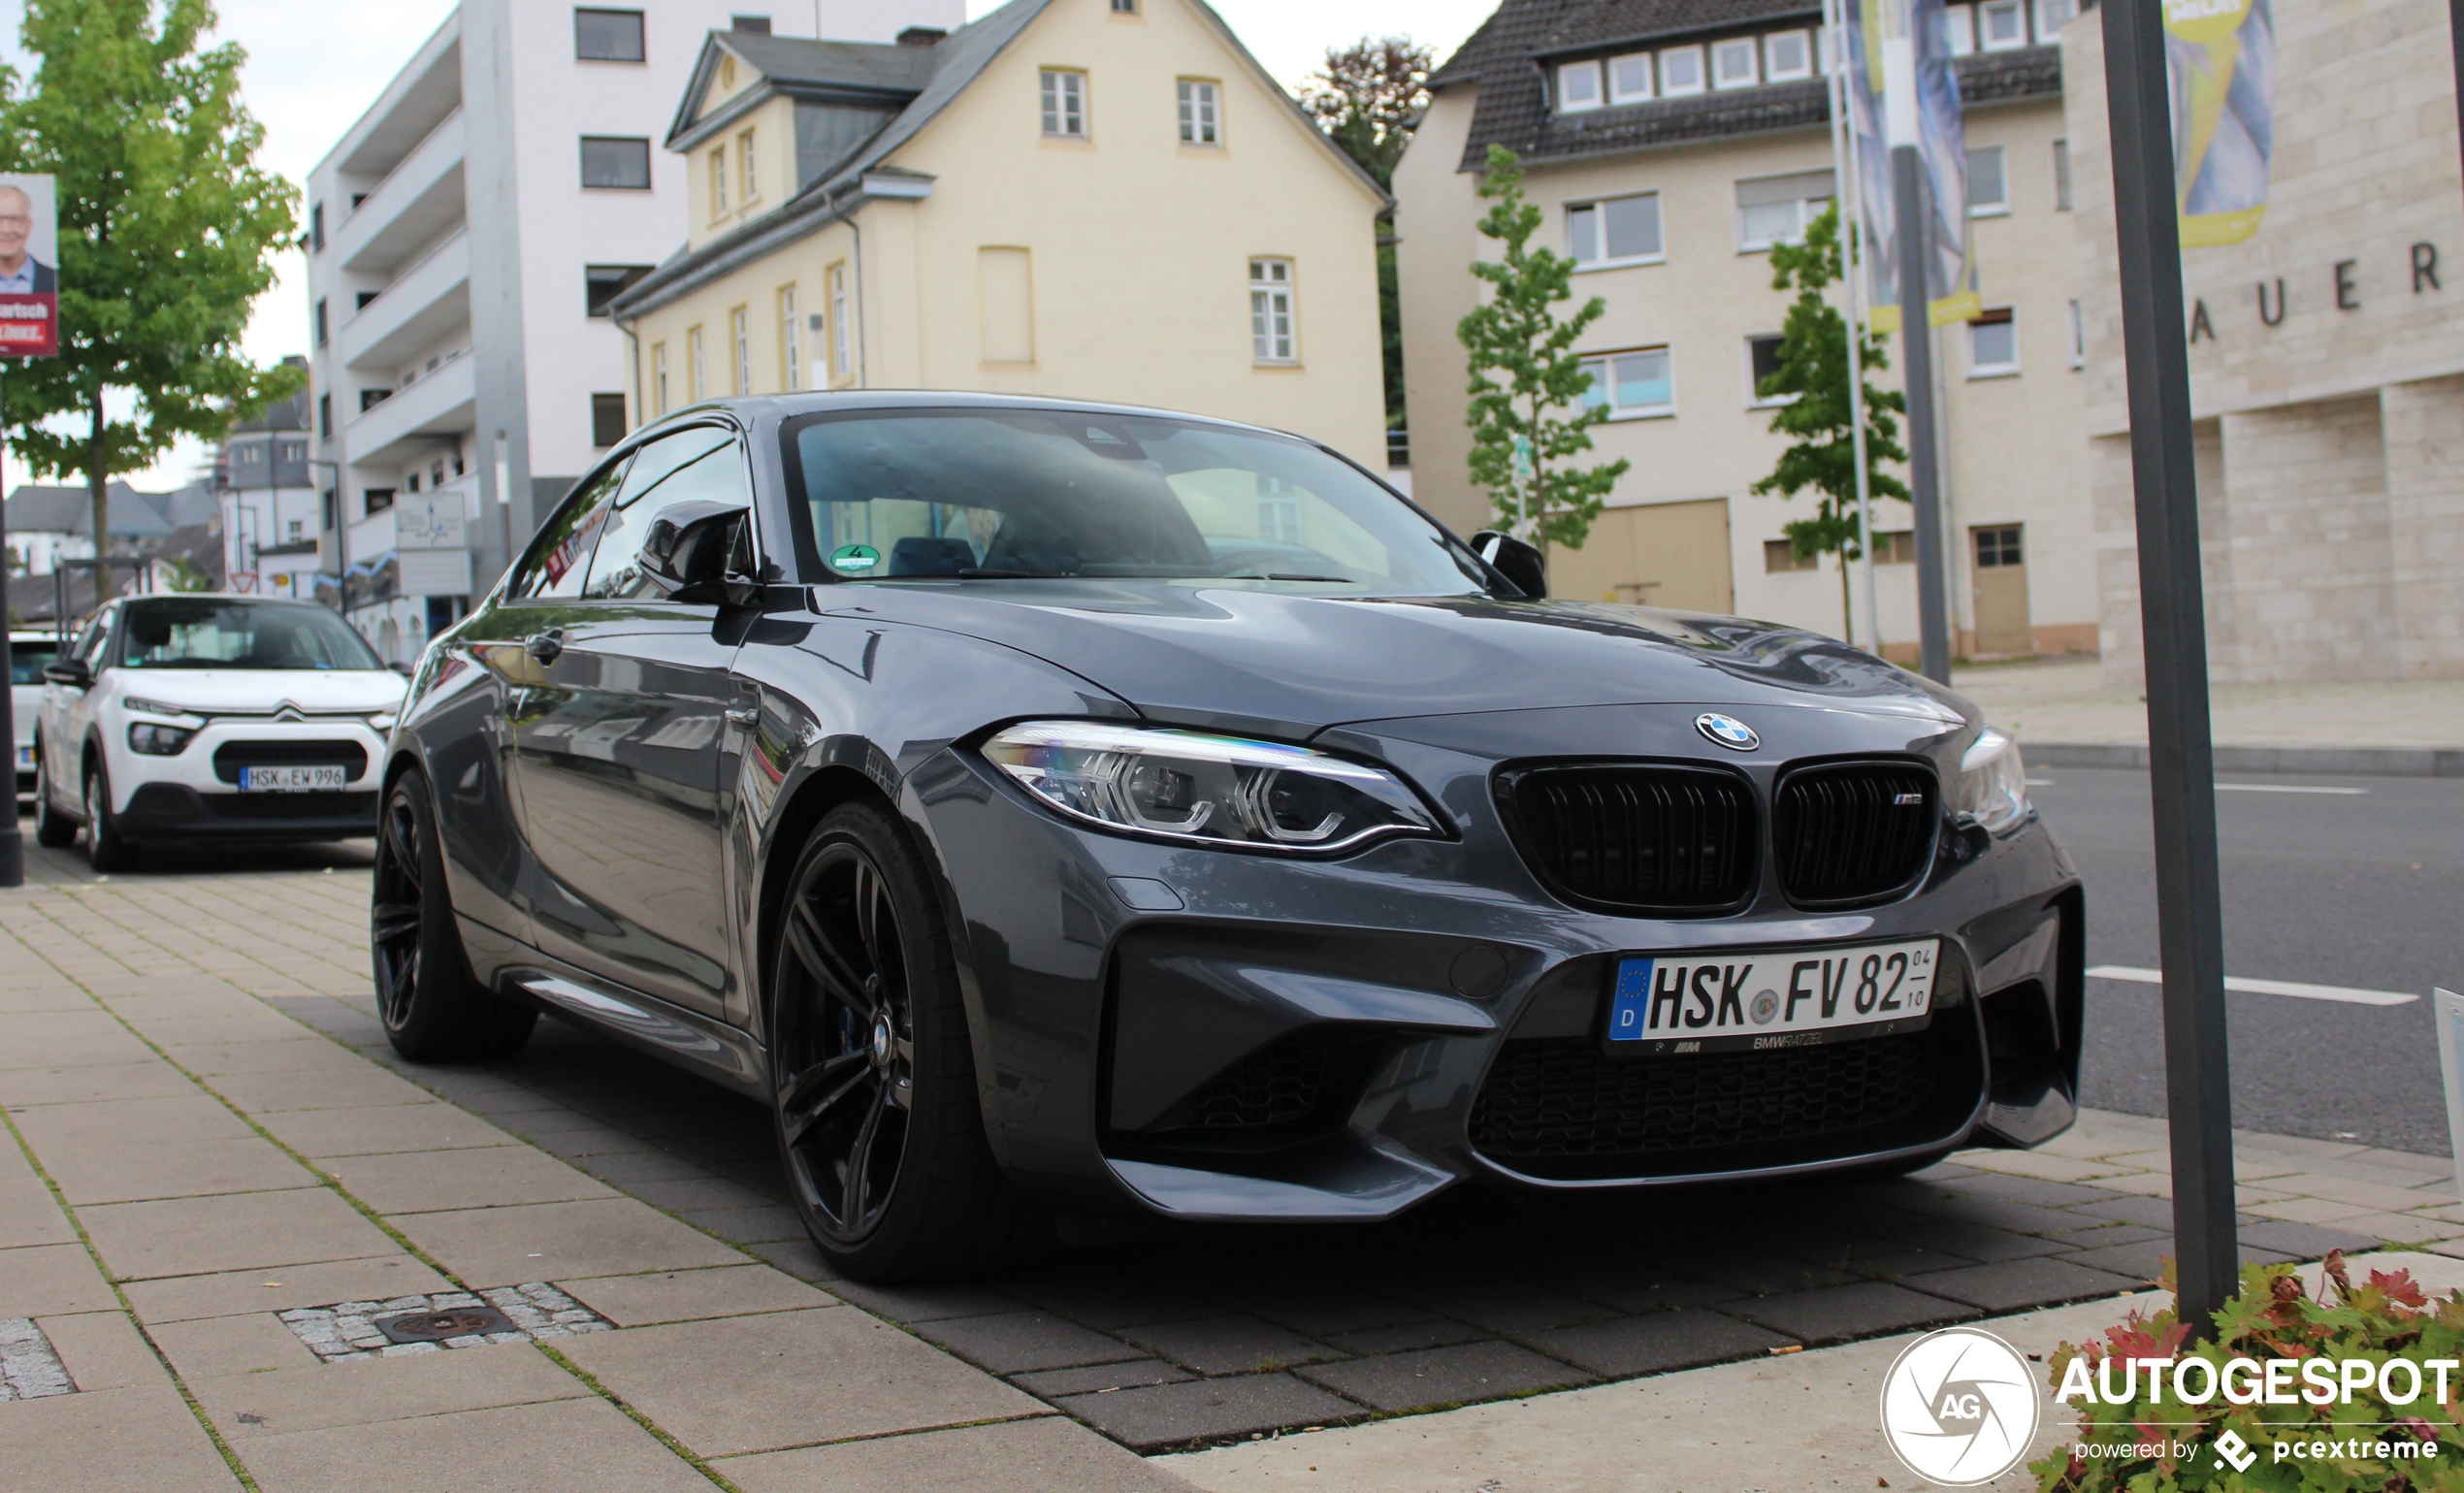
(1344, 1039)
(195, 794)
(174, 811)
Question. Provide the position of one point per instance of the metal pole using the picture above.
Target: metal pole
(1849, 196)
(1916, 224)
(2172, 611)
(11, 839)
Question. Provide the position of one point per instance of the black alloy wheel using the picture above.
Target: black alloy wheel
(873, 1078)
(52, 829)
(433, 1009)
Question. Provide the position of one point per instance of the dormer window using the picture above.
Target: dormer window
(1579, 88)
(1787, 55)
(1630, 79)
(1734, 63)
(1680, 72)
(718, 183)
(747, 186)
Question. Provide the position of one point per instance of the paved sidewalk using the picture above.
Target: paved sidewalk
(201, 1104)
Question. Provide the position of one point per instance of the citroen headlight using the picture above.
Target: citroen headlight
(1207, 790)
(155, 706)
(1992, 784)
(381, 722)
(159, 740)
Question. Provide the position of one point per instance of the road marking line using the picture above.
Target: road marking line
(2244, 985)
(2284, 787)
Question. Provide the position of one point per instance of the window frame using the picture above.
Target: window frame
(842, 359)
(1618, 413)
(1588, 68)
(1961, 20)
(1618, 96)
(1702, 72)
(1748, 47)
(790, 341)
(659, 376)
(1754, 399)
(639, 142)
(1062, 98)
(2007, 542)
(2001, 170)
(1994, 316)
(697, 362)
(1746, 244)
(1286, 287)
(747, 180)
(1770, 66)
(623, 277)
(598, 414)
(741, 343)
(2038, 11)
(1198, 105)
(2078, 336)
(716, 164)
(641, 34)
(1985, 10)
(1796, 565)
(2062, 194)
(1603, 261)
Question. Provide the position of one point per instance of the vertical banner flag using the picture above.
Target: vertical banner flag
(2220, 58)
(1941, 144)
(29, 273)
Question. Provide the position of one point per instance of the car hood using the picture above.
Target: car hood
(1259, 659)
(310, 691)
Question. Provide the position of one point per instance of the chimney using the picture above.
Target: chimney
(921, 36)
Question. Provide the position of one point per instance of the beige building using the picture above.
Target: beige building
(2326, 365)
(1104, 199)
(1670, 144)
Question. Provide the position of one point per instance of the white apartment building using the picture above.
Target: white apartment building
(465, 236)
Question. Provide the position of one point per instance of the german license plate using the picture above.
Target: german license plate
(288, 779)
(1754, 999)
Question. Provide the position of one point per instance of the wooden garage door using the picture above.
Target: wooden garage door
(1662, 554)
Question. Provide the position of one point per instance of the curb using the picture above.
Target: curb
(2328, 762)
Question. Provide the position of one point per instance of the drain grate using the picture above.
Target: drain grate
(29, 1368)
(448, 1319)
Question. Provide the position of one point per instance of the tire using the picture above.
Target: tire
(105, 850)
(52, 829)
(433, 1009)
(872, 1076)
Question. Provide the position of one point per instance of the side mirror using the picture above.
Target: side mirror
(701, 552)
(72, 672)
(1520, 562)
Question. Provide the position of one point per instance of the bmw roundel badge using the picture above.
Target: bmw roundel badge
(1728, 731)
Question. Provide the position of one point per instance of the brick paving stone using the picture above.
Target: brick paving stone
(1445, 1376)
(1021, 1342)
(1229, 1345)
(1436, 1333)
(1318, 1309)
(2304, 1241)
(1042, 1455)
(1769, 1274)
(2113, 1234)
(1627, 1289)
(1207, 1409)
(1110, 1305)
(1841, 1311)
(1657, 1343)
(1968, 1241)
(913, 1304)
(2000, 1213)
(2014, 1285)
(1101, 1377)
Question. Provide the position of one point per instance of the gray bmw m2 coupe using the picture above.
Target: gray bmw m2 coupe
(1057, 807)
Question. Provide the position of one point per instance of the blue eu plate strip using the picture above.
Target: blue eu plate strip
(1631, 1007)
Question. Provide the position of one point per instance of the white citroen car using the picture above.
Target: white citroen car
(211, 717)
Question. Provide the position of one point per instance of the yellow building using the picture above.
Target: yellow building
(1103, 199)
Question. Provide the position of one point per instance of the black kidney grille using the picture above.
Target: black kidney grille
(1551, 1101)
(230, 757)
(1662, 838)
(1276, 1084)
(1852, 832)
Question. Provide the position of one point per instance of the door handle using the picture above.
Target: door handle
(748, 719)
(545, 646)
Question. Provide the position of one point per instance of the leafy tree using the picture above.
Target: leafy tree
(1366, 99)
(1813, 369)
(168, 229)
(1520, 447)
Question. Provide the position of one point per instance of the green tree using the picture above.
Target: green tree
(1520, 446)
(1365, 99)
(1813, 373)
(168, 231)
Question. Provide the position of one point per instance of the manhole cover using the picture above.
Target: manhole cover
(438, 1326)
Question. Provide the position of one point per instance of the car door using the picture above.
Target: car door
(67, 715)
(619, 751)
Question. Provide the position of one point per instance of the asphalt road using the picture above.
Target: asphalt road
(2362, 887)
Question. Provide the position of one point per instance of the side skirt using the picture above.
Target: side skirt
(707, 1049)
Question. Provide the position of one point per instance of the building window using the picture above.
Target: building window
(436, 469)
(607, 36)
(412, 481)
(248, 455)
(1993, 345)
(1895, 547)
(601, 284)
(1680, 72)
(696, 368)
(316, 226)
(1201, 122)
(361, 298)
(2078, 338)
(1779, 556)
(295, 526)
(1271, 335)
(293, 451)
(740, 335)
(842, 352)
(613, 161)
(1630, 78)
(750, 25)
(375, 500)
(2050, 17)
(2002, 25)
(1124, 6)
(607, 419)
(1775, 210)
(1989, 187)
(369, 399)
(325, 416)
(1787, 55)
(1629, 385)
(1733, 63)
(2061, 176)
(791, 342)
(1064, 104)
(320, 321)
(718, 183)
(747, 179)
(1762, 361)
(1962, 21)
(1997, 547)
(1614, 231)
(659, 378)
(1577, 87)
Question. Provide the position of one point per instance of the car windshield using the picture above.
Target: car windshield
(982, 495)
(218, 633)
(27, 656)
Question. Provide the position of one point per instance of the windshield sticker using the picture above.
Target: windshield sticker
(854, 559)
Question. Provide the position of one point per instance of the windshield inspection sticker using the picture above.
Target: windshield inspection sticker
(854, 559)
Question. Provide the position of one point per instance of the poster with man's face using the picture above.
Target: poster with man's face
(30, 267)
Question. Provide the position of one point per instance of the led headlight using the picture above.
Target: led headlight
(1992, 784)
(159, 740)
(1208, 790)
(156, 707)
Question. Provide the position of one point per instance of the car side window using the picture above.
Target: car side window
(560, 557)
(703, 463)
(89, 644)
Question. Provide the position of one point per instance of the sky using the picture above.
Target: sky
(314, 66)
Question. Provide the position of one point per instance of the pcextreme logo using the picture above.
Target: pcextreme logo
(1960, 1407)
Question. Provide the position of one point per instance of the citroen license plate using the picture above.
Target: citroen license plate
(1754, 999)
(289, 779)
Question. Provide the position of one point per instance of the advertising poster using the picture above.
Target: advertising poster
(2221, 57)
(1941, 144)
(30, 267)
